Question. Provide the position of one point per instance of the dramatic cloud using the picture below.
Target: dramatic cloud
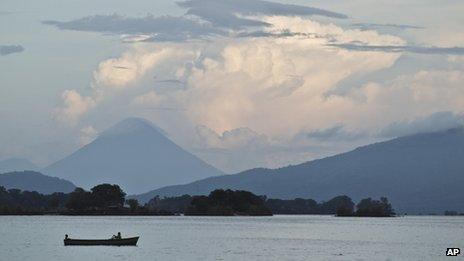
(258, 86)
(235, 82)
(256, 77)
(9, 49)
(204, 18)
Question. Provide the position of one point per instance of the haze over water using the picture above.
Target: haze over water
(234, 238)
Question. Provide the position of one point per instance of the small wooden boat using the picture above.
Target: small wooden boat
(130, 241)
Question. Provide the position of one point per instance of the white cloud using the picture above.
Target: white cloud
(332, 32)
(124, 71)
(259, 82)
(115, 75)
(75, 106)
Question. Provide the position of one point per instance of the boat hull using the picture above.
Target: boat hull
(131, 241)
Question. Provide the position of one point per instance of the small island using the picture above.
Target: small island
(369, 208)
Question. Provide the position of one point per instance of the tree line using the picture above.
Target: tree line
(108, 199)
(229, 202)
(103, 199)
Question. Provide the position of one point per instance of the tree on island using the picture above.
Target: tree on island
(79, 199)
(107, 195)
(337, 204)
(227, 203)
(101, 196)
(374, 208)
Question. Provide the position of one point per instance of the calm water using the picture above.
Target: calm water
(234, 238)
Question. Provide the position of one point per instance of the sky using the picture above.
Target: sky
(239, 83)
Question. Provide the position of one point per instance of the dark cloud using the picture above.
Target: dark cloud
(9, 49)
(337, 132)
(256, 7)
(401, 48)
(366, 26)
(435, 122)
(162, 28)
(203, 18)
(225, 13)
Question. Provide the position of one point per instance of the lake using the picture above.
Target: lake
(234, 238)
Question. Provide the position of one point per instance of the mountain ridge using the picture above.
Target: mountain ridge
(408, 170)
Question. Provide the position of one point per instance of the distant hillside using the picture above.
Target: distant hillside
(16, 164)
(134, 154)
(35, 181)
(422, 173)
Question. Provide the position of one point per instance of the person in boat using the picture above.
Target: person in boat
(117, 237)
